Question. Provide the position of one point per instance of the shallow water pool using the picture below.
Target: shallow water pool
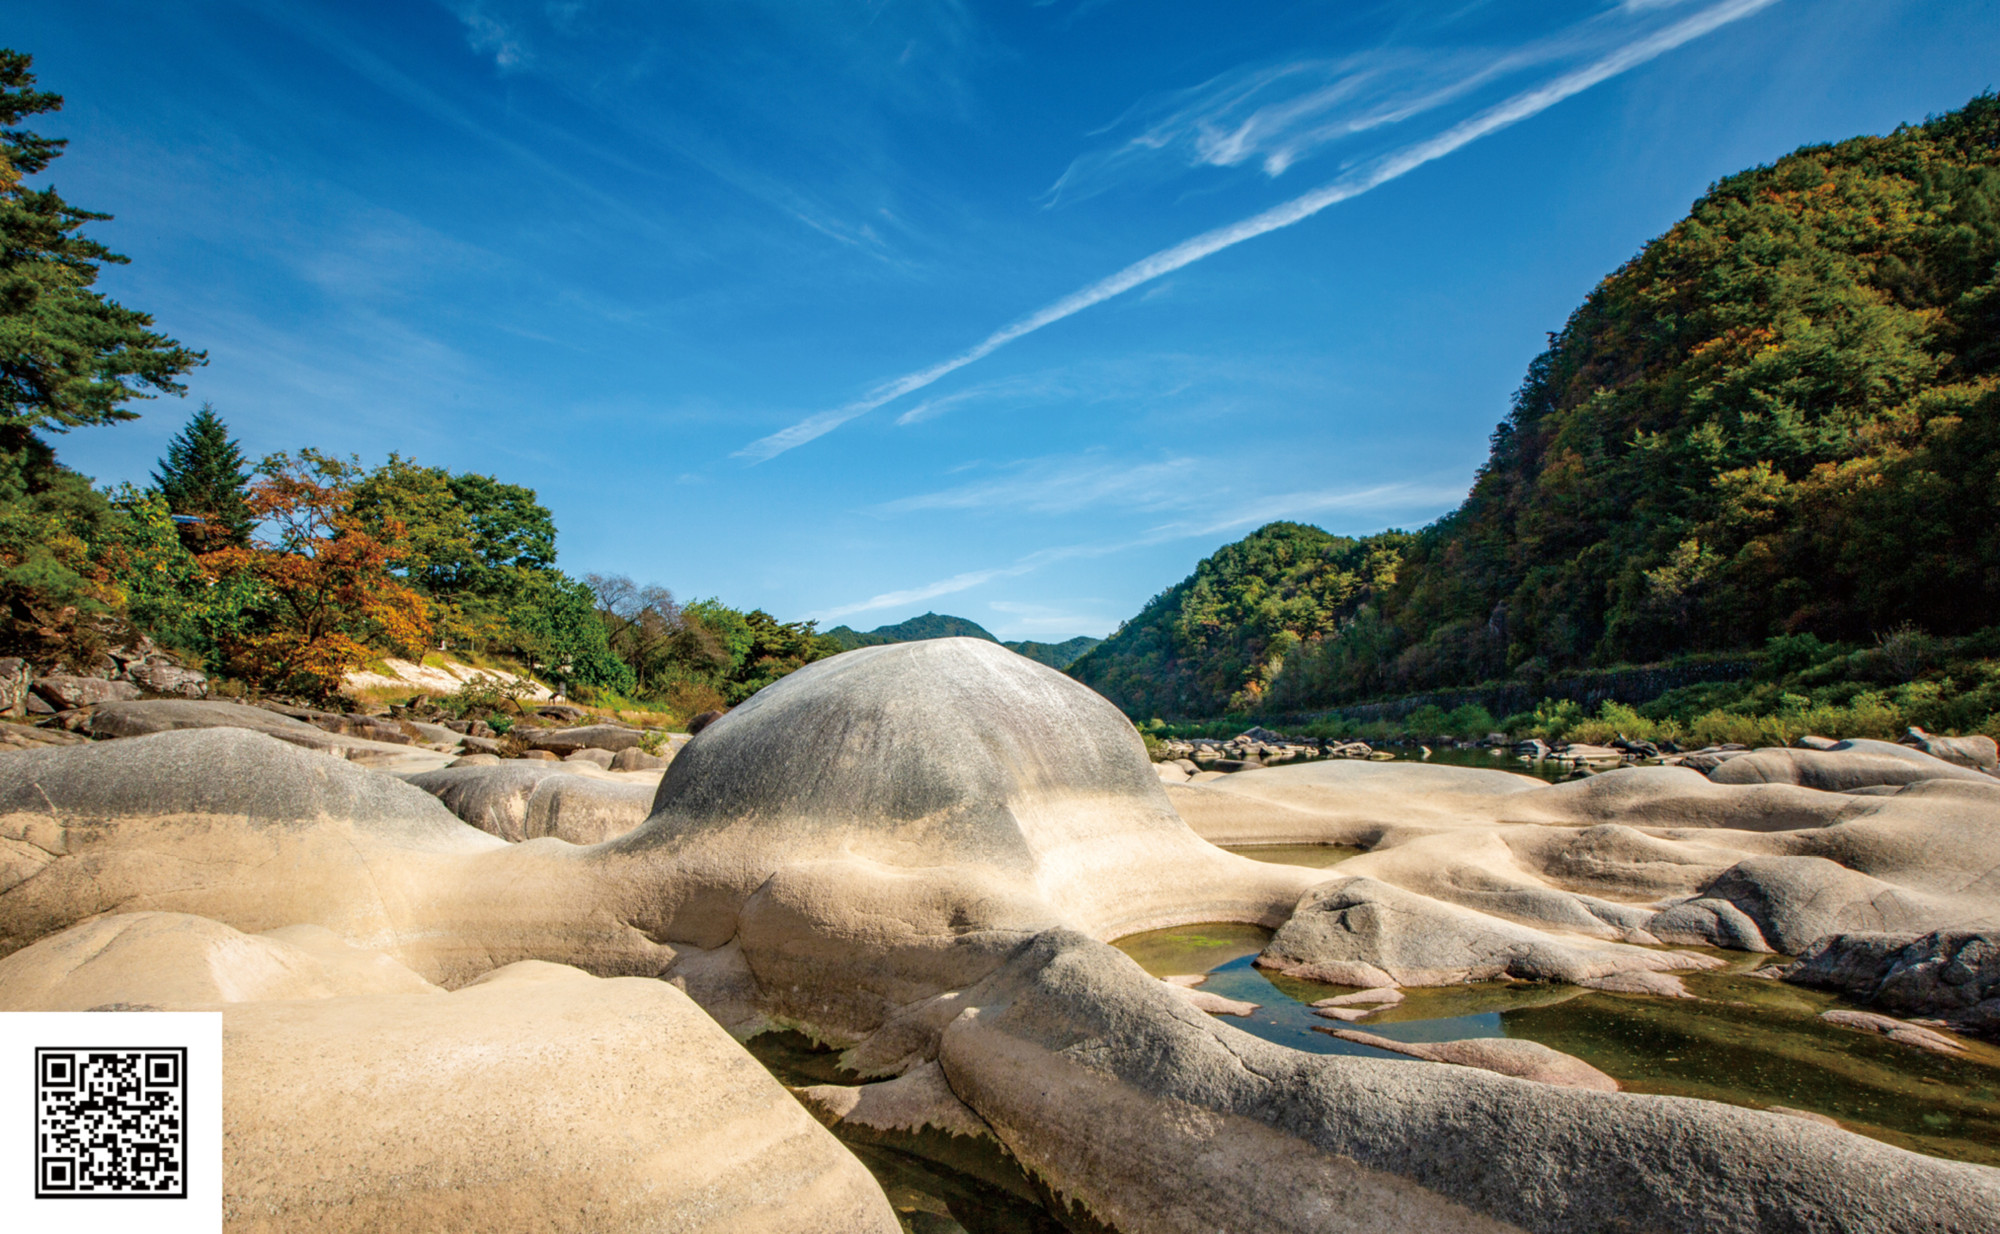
(1742, 1040)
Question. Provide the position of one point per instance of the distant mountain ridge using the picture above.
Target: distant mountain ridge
(1780, 419)
(939, 625)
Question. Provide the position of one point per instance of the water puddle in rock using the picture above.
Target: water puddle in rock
(1742, 1040)
(937, 1183)
(1317, 856)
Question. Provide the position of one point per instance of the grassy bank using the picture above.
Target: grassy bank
(1802, 685)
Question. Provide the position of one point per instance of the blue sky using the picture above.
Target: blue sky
(850, 310)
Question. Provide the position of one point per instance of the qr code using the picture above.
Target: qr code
(111, 1123)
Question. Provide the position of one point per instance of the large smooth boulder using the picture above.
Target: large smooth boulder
(537, 1098)
(1842, 767)
(1364, 932)
(524, 799)
(258, 834)
(491, 798)
(950, 753)
(586, 809)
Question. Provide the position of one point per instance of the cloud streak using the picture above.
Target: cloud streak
(1399, 496)
(1368, 176)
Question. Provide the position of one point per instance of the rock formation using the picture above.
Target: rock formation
(915, 852)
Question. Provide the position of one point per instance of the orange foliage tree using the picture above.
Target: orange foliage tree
(330, 593)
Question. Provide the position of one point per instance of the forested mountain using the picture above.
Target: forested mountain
(939, 625)
(1781, 417)
(930, 625)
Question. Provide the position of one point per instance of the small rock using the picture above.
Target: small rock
(1899, 1031)
(68, 693)
(1347, 1014)
(1666, 985)
(1524, 1060)
(479, 745)
(702, 721)
(601, 758)
(1213, 1004)
(540, 756)
(635, 759)
(1384, 997)
(475, 760)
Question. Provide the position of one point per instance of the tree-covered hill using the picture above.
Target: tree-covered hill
(1781, 417)
(930, 625)
(940, 625)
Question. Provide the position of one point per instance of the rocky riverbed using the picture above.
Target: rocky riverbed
(911, 859)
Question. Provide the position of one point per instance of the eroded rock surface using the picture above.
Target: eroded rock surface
(913, 851)
(1951, 975)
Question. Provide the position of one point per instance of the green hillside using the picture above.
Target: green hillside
(1055, 655)
(930, 625)
(939, 625)
(1781, 418)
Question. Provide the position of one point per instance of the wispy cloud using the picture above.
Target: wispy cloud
(1378, 499)
(1369, 175)
(489, 35)
(1062, 486)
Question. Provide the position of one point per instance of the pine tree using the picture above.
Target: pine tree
(203, 477)
(68, 355)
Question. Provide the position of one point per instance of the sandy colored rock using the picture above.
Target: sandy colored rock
(1977, 751)
(1370, 998)
(632, 758)
(565, 741)
(1419, 941)
(917, 1099)
(600, 758)
(1526, 1060)
(258, 834)
(1213, 1004)
(1104, 1083)
(1641, 855)
(1899, 1031)
(144, 717)
(492, 798)
(531, 1100)
(176, 961)
(956, 752)
(584, 810)
(1847, 765)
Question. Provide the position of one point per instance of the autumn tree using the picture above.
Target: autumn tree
(332, 593)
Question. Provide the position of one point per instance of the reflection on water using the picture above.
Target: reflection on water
(1742, 1040)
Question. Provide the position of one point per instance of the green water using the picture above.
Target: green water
(1317, 856)
(1742, 1040)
